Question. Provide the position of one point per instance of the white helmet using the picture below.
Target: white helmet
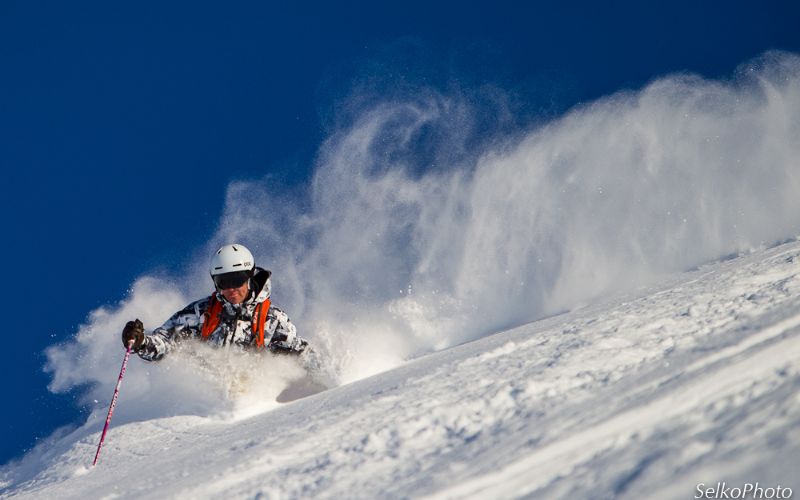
(232, 258)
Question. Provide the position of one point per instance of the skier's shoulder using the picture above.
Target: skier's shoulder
(277, 312)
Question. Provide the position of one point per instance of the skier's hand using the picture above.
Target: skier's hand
(134, 330)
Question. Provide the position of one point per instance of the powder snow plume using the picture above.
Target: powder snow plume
(409, 240)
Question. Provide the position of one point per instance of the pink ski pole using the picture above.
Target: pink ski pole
(113, 402)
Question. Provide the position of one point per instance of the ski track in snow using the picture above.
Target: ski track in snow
(695, 380)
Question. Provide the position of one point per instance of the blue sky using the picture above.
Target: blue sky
(122, 125)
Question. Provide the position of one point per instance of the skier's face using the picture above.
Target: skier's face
(236, 295)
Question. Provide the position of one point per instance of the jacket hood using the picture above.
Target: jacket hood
(263, 285)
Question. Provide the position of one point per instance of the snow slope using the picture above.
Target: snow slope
(695, 380)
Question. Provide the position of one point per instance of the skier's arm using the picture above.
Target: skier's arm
(283, 334)
(157, 344)
(184, 323)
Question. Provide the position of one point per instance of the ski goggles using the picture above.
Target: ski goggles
(231, 280)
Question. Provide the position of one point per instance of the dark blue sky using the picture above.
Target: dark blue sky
(122, 124)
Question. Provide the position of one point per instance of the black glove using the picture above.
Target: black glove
(134, 330)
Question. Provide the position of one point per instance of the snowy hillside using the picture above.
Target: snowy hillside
(696, 380)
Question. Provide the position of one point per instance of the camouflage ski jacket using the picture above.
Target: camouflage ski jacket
(235, 328)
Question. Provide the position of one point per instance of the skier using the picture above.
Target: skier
(238, 314)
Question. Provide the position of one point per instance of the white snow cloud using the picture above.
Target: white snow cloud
(386, 258)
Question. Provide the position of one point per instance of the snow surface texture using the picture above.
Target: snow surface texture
(695, 380)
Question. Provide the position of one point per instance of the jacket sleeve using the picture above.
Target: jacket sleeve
(186, 323)
(282, 333)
